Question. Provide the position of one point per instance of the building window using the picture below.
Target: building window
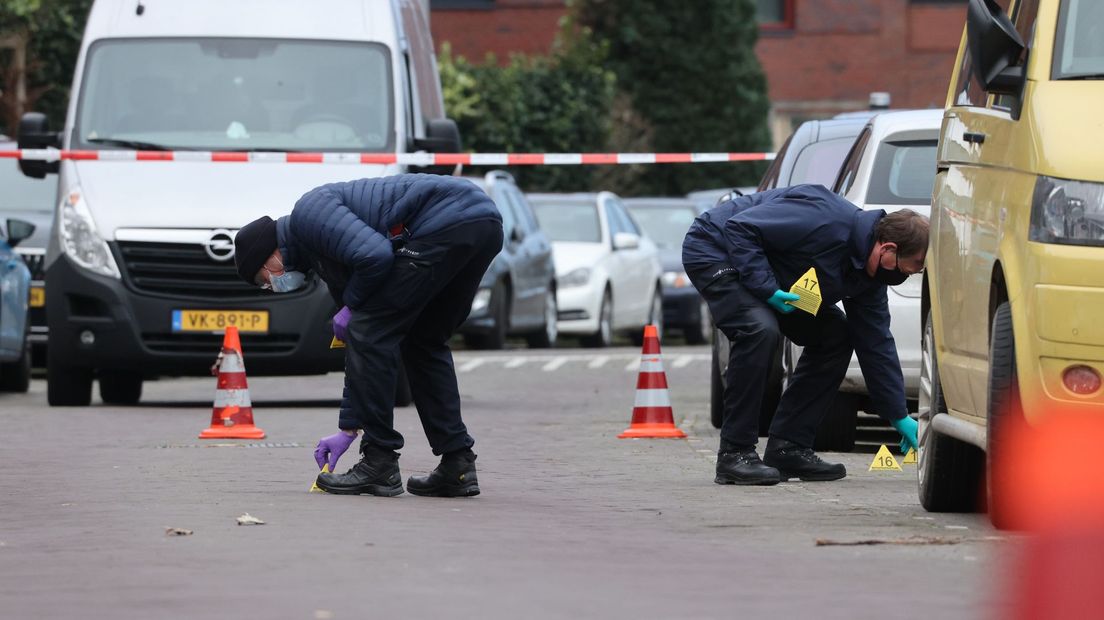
(775, 14)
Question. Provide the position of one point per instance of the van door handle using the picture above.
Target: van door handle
(974, 137)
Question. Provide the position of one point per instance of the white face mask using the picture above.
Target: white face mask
(288, 281)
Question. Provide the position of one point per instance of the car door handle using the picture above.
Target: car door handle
(974, 137)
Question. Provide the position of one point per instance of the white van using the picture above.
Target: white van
(140, 276)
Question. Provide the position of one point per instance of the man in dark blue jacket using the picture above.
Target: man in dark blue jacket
(743, 256)
(403, 256)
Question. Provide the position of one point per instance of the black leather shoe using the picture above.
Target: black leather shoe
(742, 466)
(454, 477)
(377, 473)
(795, 461)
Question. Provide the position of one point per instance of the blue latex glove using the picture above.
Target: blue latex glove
(341, 322)
(779, 299)
(908, 428)
(329, 449)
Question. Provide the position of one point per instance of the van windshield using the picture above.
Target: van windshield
(236, 94)
(1079, 52)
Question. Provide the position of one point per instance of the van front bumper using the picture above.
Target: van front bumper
(100, 322)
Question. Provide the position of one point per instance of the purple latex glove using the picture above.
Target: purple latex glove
(329, 449)
(341, 322)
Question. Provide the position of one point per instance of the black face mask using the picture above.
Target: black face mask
(890, 277)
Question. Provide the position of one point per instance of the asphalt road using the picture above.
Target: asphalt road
(572, 522)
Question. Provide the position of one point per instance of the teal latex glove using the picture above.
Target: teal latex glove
(779, 299)
(908, 428)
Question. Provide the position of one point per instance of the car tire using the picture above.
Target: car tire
(948, 471)
(716, 387)
(699, 332)
(655, 317)
(546, 336)
(66, 385)
(403, 394)
(1005, 410)
(604, 336)
(837, 430)
(495, 338)
(120, 387)
(16, 376)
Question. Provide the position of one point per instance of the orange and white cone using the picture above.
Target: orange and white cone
(232, 416)
(652, 413)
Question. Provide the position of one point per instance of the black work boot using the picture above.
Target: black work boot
(795, 461)
(453, 477)
(377, 473)
(742, 466)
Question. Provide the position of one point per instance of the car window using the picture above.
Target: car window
(569, 221)
(524, 211)
(624, 220)
(1023, 16)
(21, 192)
(770, 179)
(666, 226)
(612, 222)
(969, 91)
(819, 163)
(903, 173)
(509, 218)
(850, 169)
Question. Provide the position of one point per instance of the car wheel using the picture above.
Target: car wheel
(655, 317)
(948, 471)
(1005, 410)
(16, 376)
(403, 395)
(716, 387)
(546, 336)
(500, 311)
(604, 336)
(119, 387)
(837, 430)
(699, 332)
(67, 386)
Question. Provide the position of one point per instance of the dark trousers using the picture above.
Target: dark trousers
(425, 298)
(755, 331)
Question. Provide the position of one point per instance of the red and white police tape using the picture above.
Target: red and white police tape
(407, 159)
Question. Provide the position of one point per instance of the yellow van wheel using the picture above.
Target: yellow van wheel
(1005, 410)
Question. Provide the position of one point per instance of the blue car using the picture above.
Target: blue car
(15, 325)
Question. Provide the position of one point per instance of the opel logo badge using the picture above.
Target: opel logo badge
(220, 247)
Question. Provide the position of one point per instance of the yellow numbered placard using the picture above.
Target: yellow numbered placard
(314, 485)
(884, 461)
(807, 288)
(910, 458)
(336, 344)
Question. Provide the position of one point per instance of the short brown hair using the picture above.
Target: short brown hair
(907, 228)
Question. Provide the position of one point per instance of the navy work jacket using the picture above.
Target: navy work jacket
(347, 232)
(770, 239)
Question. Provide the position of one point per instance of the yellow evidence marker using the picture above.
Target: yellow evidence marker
(884, 461)
(807, 288)
(314, 485)
(336, 344)
(910, 458)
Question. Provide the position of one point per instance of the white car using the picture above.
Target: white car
(607, 271)
(891, 166)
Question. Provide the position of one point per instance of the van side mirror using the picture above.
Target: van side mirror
(18, 230)
(442, 136)
(34, 133)
(994, 47)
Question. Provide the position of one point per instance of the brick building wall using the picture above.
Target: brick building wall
(827, 58)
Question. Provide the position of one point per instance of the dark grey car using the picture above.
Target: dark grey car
(813, 154)
(518, 293)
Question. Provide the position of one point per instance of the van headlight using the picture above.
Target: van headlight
(1067, 212)
(79, 239)
(576, 277)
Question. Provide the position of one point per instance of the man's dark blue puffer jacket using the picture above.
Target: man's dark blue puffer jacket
(343, 230)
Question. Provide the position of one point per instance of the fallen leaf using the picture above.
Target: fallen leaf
(248, 519)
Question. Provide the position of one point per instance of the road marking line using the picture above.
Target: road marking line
(633, 365)
(472, 364)
(598, 362)
(516, 362)
(682, 361)
(554, 364)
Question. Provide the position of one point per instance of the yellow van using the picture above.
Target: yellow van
(1013, 298)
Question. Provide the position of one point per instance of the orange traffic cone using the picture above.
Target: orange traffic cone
(232, 416)
(652, 414)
